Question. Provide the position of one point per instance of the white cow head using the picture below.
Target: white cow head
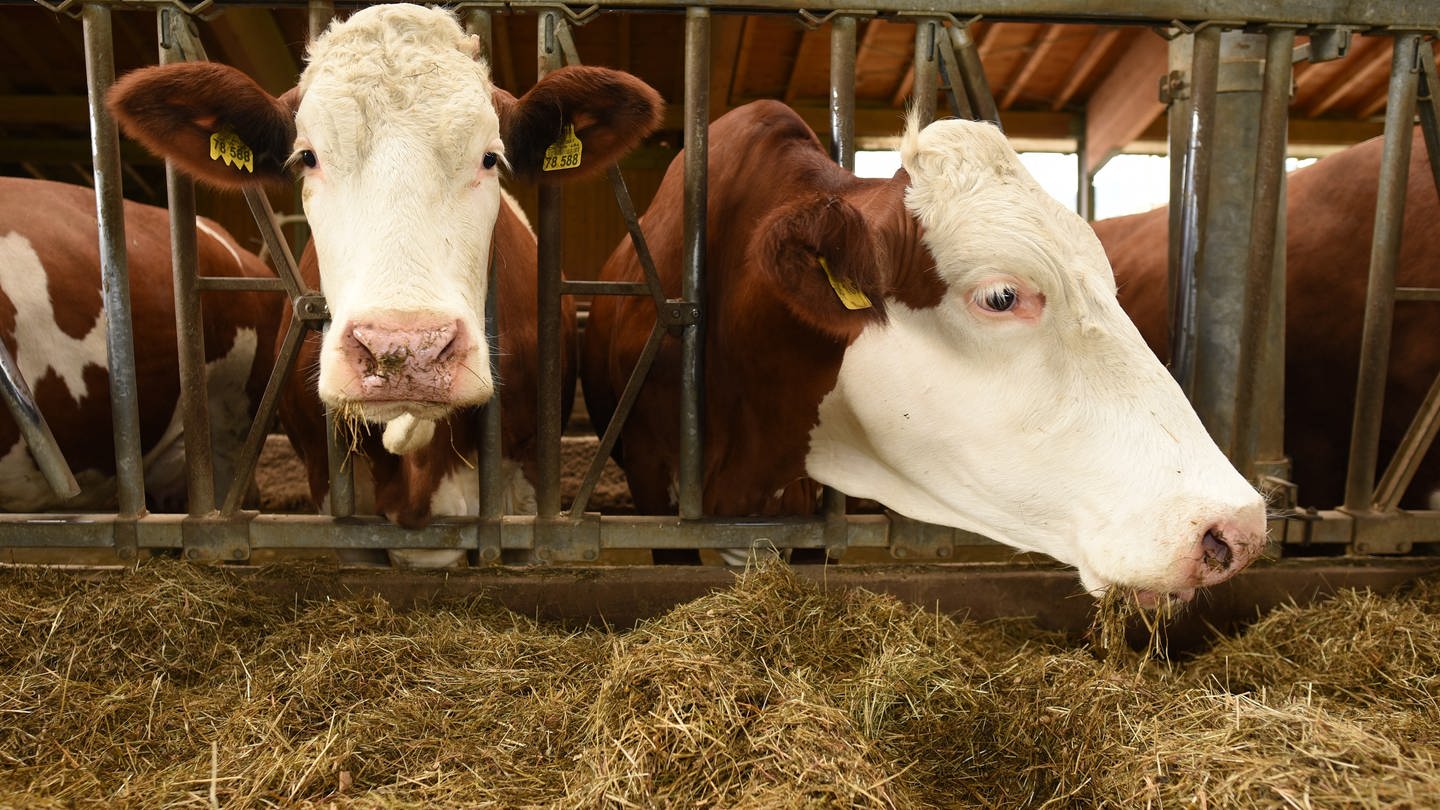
(1025, 406)
(399, 138)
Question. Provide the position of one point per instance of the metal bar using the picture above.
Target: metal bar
(952, 80)
(1428, 100)
(637, 236)
(1417, 442)
(1407, 14)
(279, 249)
(33, 429)
(480, 23)
(1380, 293)
(239, 284)
(692, 339)
(1084, 180)
(320, 13)
(842, 90)
(249, 455)
(337, 457)
(115, 273)
(972, 72)
(189, 319)
(1427, 294)
(633, 385)
(1260, 266)
(549, 258)
(492, 436)
(1192, 204)
(605, 288)
(922, 93)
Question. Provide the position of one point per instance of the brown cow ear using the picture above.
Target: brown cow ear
(610, 112)
(209, 119)
(821, 256)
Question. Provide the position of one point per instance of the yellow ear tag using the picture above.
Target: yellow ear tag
(564, 153)
(849, 294)
(226, 145)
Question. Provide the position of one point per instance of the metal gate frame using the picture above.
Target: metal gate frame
(1368, 522)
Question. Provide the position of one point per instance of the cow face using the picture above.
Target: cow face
(1024, 405)
(399, 138)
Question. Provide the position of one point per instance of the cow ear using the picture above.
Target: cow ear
(610, 112)
(209, 119)
(824, 262)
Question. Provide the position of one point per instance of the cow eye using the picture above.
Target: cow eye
(491, 159)
(999, 299)
(308, 158)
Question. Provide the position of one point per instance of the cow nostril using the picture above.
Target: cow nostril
(1216, 552)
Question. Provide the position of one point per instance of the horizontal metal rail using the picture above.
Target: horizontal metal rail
(1407, 14)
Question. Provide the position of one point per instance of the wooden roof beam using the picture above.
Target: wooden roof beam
(1100, 46)
(1127, 100)
(1043, 44)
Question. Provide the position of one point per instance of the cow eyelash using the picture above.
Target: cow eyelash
(998, 299)
(305, 157)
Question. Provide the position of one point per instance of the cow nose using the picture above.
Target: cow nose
(404, 358)
(1215, 551)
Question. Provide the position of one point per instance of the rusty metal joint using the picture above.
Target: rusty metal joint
(312, 307)
(678, 312)
(1174, 87)
(810, 21)
(568, 540)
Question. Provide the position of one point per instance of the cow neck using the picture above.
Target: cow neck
(911, 269)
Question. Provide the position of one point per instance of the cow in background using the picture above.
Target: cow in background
(52, 319)
(1330, 223)
(946, 342)
(400, 139)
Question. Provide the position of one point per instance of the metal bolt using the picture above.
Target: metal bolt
(193, 553)
(675, 313)
(901, 552)
(489, 554)
(591, 554)
(943, 551)
(127, 553)
(239, 554)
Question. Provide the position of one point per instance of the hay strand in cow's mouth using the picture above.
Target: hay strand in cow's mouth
(175, 685)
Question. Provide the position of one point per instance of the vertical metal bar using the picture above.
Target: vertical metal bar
(1428, 97)
(952, 79)
(842, 91)
(972, 72)
(1193, 204)
(549, 257)
(114, 268)
(1260, 264)
(321, 12)
(337, 455)
(927, 76)
(1084, 180)
(492, 502)
(1380, 294)
(189, 320)
(37, 435)
(692, 339)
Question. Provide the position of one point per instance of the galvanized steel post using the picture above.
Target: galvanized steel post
(551, 223)
(189, 320)
(319, 14)
(38, 438)
(692, 339)
(842, 90)
(972, 73)
(927, 74)
(1264, 275)
(1189, 208)
(1380, 294)
(114, 268)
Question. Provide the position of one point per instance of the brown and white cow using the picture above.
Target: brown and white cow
(400, 139)
(1330, 221)
(988, 379)
(52, 319)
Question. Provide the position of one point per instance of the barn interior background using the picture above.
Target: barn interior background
(1098, 83)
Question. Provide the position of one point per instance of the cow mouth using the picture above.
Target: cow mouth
(381, 411)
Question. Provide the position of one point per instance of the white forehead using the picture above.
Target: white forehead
(396, 70)
(982, 211)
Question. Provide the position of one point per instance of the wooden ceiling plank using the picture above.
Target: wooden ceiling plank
(1100, 46)
(1126, 101)
(1043, 44)
(814, 45)
(740, 74)
(251, 40)
(726, 35)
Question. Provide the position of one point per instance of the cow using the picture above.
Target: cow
(1330, 221)
(400, 140)
(946, 342)
(53, 321)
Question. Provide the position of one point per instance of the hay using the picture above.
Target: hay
(178, 686)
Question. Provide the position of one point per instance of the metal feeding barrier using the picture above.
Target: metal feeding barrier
(1229, 362)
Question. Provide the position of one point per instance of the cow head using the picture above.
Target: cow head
(399, 138)
(1007, 393)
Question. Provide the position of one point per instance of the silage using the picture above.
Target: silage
(175, 686)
